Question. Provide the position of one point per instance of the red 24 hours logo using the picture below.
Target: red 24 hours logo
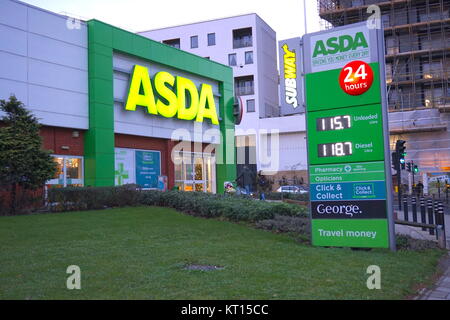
(356, 78)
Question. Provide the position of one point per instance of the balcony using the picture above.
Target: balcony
(173, 43)
(244, 86)
(242, 38)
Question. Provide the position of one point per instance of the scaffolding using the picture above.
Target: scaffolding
(417, 35)
(417, 42)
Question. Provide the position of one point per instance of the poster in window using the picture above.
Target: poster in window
(148, 169)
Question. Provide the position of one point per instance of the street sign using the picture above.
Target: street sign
(348, 139)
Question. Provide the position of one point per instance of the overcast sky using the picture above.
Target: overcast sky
(284, 16)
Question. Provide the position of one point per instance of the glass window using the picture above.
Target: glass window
(388, 72)
(386, 20)
(244, 85)
(251, 105)
(248, 57)
(196, 172)
(211, 39)
(194, 42)
(69, 171)
(73, 168)
(59, 167)
(232, 59)
(242, 38)
(391, 45)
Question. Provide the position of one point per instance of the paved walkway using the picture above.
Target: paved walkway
(441, 290)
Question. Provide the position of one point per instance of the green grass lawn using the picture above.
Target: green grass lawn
(139, 253)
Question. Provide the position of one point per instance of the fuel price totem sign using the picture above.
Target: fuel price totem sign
(348, 146)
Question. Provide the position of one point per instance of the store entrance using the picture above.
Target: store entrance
(195, 172)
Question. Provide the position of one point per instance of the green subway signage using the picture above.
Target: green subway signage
(348, 147)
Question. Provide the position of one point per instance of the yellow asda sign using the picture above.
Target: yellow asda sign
(170, 93)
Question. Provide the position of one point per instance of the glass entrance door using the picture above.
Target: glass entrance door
(195, 172)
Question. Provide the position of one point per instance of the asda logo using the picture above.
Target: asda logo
(171, 96)
(335, 45)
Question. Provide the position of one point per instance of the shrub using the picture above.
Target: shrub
(292, 224)
(194, 203)
(405, 242)
(286, 195)
(88, 198)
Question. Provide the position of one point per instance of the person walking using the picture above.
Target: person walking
(261, 184)
(247, 178)
(419, 188)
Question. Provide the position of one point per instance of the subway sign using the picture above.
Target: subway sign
(291, 81)
(170, 96)
(348, 147)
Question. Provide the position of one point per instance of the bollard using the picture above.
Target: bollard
(436, 216)
(422, 212)
(405, 208)
(440, 235)
(414, 208)
(430, 214)
(442, 221)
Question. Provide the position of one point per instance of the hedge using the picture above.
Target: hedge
(287, 195)
(194, 203)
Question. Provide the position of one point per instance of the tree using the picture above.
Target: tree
(23, 162)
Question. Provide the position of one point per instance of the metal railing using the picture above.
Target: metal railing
(425, 213)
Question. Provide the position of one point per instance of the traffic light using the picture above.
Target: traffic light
(400, 149)
(416, 169)
(402, 163)
(395, 160)
(408, 167)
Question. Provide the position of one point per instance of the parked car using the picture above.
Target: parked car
(293, 189)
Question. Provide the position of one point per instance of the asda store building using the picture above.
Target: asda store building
(116, 107)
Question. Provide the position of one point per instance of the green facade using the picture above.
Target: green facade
(103, 40)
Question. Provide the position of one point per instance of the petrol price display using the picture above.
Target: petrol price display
(337, 149)
(345, 133)
(334, 123)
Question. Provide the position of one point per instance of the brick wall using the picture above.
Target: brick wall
(55, 138)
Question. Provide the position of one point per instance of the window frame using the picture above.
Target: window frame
(208, 37)
(246, 106)
(235, 59)
(192, 38)
(245, 57)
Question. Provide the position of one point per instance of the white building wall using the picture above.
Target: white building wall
(44, 63)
